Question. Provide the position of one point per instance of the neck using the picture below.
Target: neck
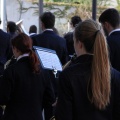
(111, 29)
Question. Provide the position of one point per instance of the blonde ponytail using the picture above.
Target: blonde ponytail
(100, 79)
(90, 34)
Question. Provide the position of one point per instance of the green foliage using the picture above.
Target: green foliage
(118, 7)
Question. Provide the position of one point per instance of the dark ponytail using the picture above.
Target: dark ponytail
(34, 61)
(24, 44)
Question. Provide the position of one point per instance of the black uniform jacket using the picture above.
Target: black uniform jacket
(4, 49)
(48, 39)
(24, 92)
(70, 43)
(114, 48)
(73, 102)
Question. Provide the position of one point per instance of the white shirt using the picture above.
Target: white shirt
(32, 34)
(24, 55)
(114, 31)
(48, 30)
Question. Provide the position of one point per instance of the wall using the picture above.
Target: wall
(21, 9)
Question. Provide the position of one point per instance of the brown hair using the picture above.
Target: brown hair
(90, 34)
(24, 43)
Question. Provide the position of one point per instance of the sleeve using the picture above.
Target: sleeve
(9, 48)
(116, 107)
(64, 104)
(111, 48)
(5, 87)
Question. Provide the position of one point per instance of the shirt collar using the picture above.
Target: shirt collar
(21, 56)
(47, 30)
(32, 34)
(114, 31)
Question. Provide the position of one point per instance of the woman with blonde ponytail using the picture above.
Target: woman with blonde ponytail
(89, 89)
(25, 89)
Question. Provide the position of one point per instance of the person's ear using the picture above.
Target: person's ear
(107, 25)
(80, 44)
(42, 25)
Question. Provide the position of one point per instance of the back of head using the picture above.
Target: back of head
(89, 33)
(11, 26)
(111, 16)
(75, 20)
(24, 44)
(33, 29)
(48, 19)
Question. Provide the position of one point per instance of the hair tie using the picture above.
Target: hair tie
(96, 33)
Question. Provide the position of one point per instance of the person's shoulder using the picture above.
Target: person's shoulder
(70, 69)
(5, 34)
(114, 36)
(115, 76)
(10, 69)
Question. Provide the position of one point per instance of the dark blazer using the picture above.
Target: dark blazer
(48, 39)
(25, 93)
(69, 42)
(4, 49)
(73, 102)
(114, 48)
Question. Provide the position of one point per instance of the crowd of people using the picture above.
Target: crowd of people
(87, 88)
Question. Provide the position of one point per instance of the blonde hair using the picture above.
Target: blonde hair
(90, 34)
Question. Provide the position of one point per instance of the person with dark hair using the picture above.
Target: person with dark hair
(12, 31)
(12, 28)
(89, 89)
(49, 39)
(4, 53)
(110, 20)
(4, 49)
(32, 30)
(69, 36)
(25, 88)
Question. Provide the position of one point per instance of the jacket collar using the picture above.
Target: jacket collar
(86, 58)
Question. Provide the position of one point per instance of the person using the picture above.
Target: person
(111, 27)
(4, 52)
(69, 36)
(89, 89)
(25, 88)
(4, 49)
(49, 39)
(32, 30)
(12, 29)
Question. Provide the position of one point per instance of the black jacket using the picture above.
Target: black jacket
(114, 48)
(25, 93)
(70, 43)
(48, 39)
(73, 102)
(4, 49)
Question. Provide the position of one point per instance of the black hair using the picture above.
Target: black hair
(111, 16)
(12, 26)
(75, 20)
(48, 19)
(33, 29)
